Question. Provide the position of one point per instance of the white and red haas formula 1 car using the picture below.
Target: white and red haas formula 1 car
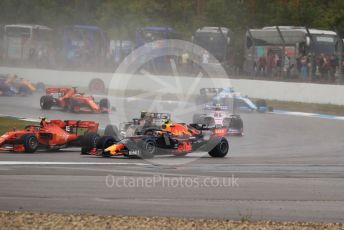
(220, 116)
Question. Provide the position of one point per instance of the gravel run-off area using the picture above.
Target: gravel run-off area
(30, 220)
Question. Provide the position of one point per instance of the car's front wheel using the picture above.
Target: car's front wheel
(30, 142)
(221, 149)
(103, 143)
(148, 149)
(46, 102)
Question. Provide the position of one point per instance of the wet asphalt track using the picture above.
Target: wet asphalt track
(284, 168)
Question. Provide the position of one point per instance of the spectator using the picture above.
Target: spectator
(270, 62)
(298, 65)
(40, 56)
(286, 66)
(332, 67)
(312, 67)
(323, 65)
(32, 56)
(304, 67)
(277, 65)
(262, 66)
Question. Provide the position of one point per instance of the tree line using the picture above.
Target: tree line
(122, 17)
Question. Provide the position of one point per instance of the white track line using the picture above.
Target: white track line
(312, 115)
(66, 163)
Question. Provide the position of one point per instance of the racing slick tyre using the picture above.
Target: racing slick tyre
(104, 103)
(88, 142)
(226, 122)
(233, 122)
(148, 149)
(30, 142)
(71, 106)
(112, 130)
(46, 102)
(221, 149)
(66, 106)
(105, 142)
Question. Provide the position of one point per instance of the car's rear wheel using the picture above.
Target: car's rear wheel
(104, 104)
(72, 106)
(30, 142)
(226, 122)
(221, 149)
(89, 141)
(46, 102)
(233, 122)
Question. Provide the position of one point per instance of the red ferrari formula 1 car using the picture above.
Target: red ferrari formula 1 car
(54, 134)
(70, 100)
(172, 138)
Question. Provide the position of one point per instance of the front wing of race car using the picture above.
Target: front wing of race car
(107, 146)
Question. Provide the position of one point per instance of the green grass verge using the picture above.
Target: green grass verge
(307, 107)
(8, 123)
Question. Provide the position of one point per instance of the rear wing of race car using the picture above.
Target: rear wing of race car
(92, 126)
(212, 107)
(62, 90)
(166, 116)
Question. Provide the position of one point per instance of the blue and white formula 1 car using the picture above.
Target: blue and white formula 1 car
(220, 116)
(228, 97)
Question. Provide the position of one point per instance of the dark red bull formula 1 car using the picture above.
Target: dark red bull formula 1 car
(70, 100)
(172, 138)
(54, 134)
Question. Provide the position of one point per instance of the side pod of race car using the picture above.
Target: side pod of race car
(53, 135)
(70, 100)
(172, 138)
